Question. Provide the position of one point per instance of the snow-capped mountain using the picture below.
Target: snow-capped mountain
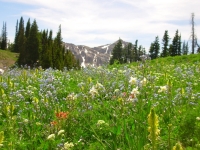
(95, 56)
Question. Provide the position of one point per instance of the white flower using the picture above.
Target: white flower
(61, 132)
(51, 137)
(162, 89)
(133, 80)
(25, 120)
(144, 81)
(116, 91)
(198, 118)
(1, 71)
(135, 91)
(99, 86)
(93, 91)
(100, 122)
(67, 145)
(72, 96)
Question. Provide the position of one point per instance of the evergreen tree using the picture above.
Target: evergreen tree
(50, 49)
(135, 51)
(58, 53)
(21, 43)
(179, 45)
(15, 46)
(117, 52)
(165, 42)
(185, 48)
(140, 51)
(152, 51)
(28, 27)
(4, 37)
(154, 48)
(157, 47)
(175, 44)
(32, 45)
(127, 53)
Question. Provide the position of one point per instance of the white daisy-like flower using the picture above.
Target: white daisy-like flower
(133, 81)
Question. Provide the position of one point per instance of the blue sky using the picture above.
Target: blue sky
(99, 22)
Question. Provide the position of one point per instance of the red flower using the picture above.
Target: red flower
(62, 115)
(53, 123)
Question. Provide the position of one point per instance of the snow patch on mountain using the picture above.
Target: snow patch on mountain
(86, 51)
(83, 63)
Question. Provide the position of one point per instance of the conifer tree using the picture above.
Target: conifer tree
(15, 46)
(157, 47)
(50, 49)
(28, 27)
(127, 53)
(33, 45)
(165, 42)
(135, 51)
(154, 48)
(185, 48)
(4, 37)
(175, 44)
(179, 45)
(117, 53)
(21, 43)
(58, 53)
(152, 51)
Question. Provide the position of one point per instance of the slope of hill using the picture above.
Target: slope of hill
(7, 59)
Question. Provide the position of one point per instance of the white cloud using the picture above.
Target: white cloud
(86, 22)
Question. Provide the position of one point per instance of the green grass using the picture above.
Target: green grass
(7, 58)
(103, 108)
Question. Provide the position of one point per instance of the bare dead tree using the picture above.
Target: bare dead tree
(194, 37)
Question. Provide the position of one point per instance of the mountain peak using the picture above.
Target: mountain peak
(93, 56)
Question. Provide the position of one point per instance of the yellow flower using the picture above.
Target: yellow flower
(1, 137)
(178, 146)
(153, 128)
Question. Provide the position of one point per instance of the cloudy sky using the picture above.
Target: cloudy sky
(99, 22)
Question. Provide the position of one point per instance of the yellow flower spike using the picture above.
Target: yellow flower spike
(12, 108)
(182, 91)
(36, 71)
(24, 75)
(35, 99)
(2, 91)
(46, 100)
(153, 128)
(89, 79)
(1, 137)
(178, 146)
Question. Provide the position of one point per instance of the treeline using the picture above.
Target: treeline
(39, 48)
(174, 49)
(127, 54)
(132, 53)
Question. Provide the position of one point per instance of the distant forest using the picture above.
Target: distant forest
(39, 48)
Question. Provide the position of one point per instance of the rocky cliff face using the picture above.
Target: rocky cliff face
(95, 56)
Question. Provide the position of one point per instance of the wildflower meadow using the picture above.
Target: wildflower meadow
(151, 105)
